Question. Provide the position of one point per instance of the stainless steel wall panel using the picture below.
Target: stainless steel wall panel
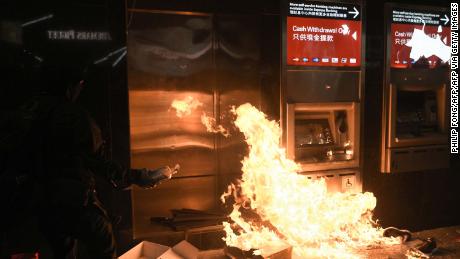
(214, 59)
(171, 57)
(159, 137)
(169, 45)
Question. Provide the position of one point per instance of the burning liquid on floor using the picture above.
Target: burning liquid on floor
(292, 209)
(300, 210)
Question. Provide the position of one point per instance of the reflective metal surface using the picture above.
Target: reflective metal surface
(159, 137)
(170, 57)
(214, 59)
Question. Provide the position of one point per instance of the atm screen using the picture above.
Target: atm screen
(323, 34)
(419, 39)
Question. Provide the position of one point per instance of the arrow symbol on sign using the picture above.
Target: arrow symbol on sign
(445, 20)
(355, 12)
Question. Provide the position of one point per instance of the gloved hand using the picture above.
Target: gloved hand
(147, 178)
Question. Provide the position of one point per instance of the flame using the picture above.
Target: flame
(186, 106)
(299, 211)
(210, 124)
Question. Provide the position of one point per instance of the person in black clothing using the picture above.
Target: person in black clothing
(63, 155)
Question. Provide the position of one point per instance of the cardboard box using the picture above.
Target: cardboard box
(149, 250)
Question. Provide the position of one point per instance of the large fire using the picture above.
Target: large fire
(314, 222)
(293, 209)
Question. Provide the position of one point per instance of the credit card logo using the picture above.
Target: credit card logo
(352, 60)
(344, 60)
(335, 60)
(315, 59)
(325, 60)
(305, 59)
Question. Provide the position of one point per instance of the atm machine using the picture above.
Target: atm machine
(416, 87)
(322, 75)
